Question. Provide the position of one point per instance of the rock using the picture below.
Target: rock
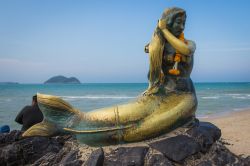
(96, 158)
(157, 159)
(177, 148)
(71, 159)
(7, 138)
(12, 155)
(216, 155)
(246, 161)
(47, 159)
(222, 156)
(68, 154)
(205, 163)
(133, 156)
(62, 80)
(205, 134)
(197, 145)
(35, 147)
(35, 150)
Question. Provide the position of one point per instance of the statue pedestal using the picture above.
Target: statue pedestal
(199, 145)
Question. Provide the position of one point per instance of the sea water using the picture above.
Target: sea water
(212, 97)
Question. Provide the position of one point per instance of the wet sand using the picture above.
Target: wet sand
(235, 129)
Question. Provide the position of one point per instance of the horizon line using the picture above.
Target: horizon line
(10, 82)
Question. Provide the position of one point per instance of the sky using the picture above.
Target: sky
(103, 41)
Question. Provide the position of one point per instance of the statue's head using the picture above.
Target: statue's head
(175, 19)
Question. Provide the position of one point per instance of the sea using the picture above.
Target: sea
(213, 98)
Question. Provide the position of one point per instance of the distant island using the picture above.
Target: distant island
(62, 80)
(9, 83)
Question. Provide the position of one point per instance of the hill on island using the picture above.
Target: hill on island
(62, 80)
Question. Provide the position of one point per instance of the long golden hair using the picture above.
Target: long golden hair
(156, 46)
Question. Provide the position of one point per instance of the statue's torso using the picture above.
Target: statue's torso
(181, 82)
(185, 66)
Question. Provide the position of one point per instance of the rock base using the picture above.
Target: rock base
(198, 145)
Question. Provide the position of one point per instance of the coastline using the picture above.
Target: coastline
(235, 129)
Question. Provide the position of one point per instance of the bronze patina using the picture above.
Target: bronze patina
(169, 101)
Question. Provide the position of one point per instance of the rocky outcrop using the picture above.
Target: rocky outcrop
(62, 80)
(198, 145)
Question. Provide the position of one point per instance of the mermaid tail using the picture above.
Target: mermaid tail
(144, 118)
(57, 113)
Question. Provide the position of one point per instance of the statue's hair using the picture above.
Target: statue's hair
(157, 44)
(170, 14)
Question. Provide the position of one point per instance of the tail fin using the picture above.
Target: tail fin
(58, 114)
(41, 129)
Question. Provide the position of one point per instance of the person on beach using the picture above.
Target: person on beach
(30, 115)
(171, 54)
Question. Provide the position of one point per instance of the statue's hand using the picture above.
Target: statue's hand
(162, 24)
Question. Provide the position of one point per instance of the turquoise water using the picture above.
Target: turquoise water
(212, 97)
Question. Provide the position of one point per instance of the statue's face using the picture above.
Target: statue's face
(178, 25)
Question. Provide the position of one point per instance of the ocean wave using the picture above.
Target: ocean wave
(202, 116)
(5, 100)
(233, 94)
(239, 109)
(240, 97)
(97, 97)
(210, 97)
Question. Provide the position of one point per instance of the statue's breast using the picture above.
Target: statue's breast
(185, 66)
(168, 54)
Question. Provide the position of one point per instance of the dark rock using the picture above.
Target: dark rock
(220, 155)
(205, 163)
(66, 156)
(35, 147)
(246, 161)
(197, 146)
(217, 154)
(48, 159)
(62, 153)
(205, 134)
(96, 158)
(177, 148)
(7, 138)
(12, 155)
(156, 159)
(71, 159)
(35, 150)
(132, 156)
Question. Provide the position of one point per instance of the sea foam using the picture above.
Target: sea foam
(97, 97)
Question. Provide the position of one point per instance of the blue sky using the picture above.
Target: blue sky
(103, 41)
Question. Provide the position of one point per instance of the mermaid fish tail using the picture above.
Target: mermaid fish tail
(144, 118)
(57, 113)
(44, 128)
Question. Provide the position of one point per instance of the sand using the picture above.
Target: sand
(235, 129)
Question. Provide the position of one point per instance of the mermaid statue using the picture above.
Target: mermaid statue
(169, 102)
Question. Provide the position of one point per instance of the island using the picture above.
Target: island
(62, 80)
(9, 83)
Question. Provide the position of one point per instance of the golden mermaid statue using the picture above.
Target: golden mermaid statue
(169, 102)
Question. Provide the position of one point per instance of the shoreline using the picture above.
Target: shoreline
(222, 113)
(235, 129)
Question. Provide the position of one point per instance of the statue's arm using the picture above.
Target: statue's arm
(191, 46)
(188, 58)
(179, 45)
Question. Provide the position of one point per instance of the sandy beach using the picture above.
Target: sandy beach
(235, 129)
